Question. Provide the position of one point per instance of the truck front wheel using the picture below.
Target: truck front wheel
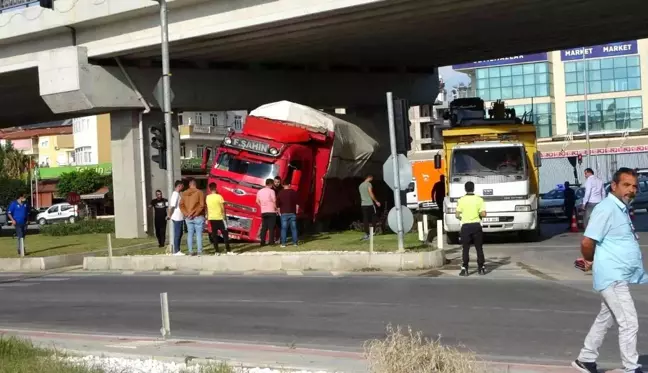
(452, 238)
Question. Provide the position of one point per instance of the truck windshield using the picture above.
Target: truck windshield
(260, 170)
(480, 161)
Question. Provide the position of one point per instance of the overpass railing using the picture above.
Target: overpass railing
(11, 5)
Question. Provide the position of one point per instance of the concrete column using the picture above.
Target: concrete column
(127, 172)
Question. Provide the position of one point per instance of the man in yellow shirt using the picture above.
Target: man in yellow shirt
(470, 211)
(216, 216)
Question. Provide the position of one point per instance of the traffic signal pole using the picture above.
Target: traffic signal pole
(166, 82)
(397, 186)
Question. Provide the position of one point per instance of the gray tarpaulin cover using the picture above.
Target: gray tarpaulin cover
(355, 149)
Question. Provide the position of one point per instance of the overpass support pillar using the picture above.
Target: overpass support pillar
(132, 193)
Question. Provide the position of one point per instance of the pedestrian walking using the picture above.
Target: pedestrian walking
(439, 193)
(216, 217)
(470, 211)
(18, 214)
(192, 205)
(160, 207)
(611, 243)
(176, 216)
(288, 209)
(368, 203)
(594, 194)
(570, 203)
(267, 201)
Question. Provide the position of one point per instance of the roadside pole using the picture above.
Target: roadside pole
(394, 154)
(166, 107)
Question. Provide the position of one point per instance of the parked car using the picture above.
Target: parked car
(641, 199)
(552, 204)
(4, 219)
(61, 212)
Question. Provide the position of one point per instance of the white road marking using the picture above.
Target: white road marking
(128, 273)
(167, 273)
(294, 273)
(206, 273)
(46, 279)
(17, 285)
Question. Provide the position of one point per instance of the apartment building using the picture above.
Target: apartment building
(202, 129)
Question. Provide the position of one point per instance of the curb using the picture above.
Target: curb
(46, 263)
(303, 262)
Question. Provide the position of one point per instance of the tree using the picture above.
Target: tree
(14, 164)
(82, 182)
(10, 189)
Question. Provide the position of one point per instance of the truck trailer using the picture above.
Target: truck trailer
(323, 157)
(500, 156)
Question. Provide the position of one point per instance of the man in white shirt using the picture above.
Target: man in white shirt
(176, 216)
(594, 194)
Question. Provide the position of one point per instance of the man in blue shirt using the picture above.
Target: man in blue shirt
(19, 216)
(611, 242)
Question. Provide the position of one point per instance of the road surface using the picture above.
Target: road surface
(507, 320)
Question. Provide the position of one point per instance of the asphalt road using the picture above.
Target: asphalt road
(508, 320)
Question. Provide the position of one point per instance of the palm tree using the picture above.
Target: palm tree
(14, 163)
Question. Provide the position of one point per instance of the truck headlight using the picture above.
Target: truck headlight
(228, 141)
(522, 208)
(451, 210)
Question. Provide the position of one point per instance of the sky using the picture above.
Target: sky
(452, 78)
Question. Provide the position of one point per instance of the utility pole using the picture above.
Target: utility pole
(395, 165)
(587, 129)
(166, 107)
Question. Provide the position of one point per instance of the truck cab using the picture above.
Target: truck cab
(499, 155)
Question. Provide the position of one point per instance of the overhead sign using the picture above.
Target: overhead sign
(405, 171)
(49, 173)
(522, 58)
(599, 151)
(598, 51)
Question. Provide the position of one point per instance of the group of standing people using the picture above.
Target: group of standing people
(278, 204)
(594, 194)
(191, 208)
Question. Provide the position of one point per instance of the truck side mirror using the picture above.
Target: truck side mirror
(437, 161)
(537, 159)
(205, 158)
(296, 178)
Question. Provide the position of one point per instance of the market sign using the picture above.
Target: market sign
(49, 173)
(598, 51)
(599, 151)
(522, 58)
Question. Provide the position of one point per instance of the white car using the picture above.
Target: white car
(59, 213)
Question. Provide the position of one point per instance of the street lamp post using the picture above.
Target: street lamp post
(587, 129)
(166, 104)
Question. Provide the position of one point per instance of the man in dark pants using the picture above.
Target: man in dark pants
(368, 203)
(160, 206)
(439, 193)
(570, 203)
(267, 201)
(470, 210)
(18, 214)
(278, 187)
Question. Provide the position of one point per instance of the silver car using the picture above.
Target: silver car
(552, 204)
(4, 220)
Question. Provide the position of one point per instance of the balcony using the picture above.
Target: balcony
(202, 132)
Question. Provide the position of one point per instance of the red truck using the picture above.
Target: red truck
(324, 157)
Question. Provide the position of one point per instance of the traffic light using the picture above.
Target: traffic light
(48, 4)
(158, 141)
(402, 124)
(580, 159)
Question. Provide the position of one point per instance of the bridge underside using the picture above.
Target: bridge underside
(383, 38)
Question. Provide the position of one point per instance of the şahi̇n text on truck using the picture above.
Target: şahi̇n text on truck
(500, 156)
(323, 157)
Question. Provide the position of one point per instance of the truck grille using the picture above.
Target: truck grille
(239, 223)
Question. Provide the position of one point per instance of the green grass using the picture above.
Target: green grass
(41, 245)
(19, 356)
(338, 241)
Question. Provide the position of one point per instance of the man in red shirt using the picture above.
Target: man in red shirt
(287, 207)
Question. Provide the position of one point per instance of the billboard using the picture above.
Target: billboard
(522, 58)
(598, 51)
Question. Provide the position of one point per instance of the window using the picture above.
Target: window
(183, 150)
(213, 119)
(238, 123)
(252, 169)
(510, 82)
(294, 165)
(198, 118)
(83, 155)
(505, 161)
(617, 74)
(540, 114)
(199, 150)
(605, 115)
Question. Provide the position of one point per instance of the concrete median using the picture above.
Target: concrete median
(277, 262)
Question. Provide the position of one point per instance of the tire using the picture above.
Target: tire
(42, 221)
(452, 238)
(72, 220)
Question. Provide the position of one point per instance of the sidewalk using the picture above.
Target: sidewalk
(235, 354)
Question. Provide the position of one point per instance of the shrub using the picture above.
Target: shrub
(19, 356)
(81, 227)
(409, 352)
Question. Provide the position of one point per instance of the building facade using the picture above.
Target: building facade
(605, 86)
(206, 129)
(91, 140)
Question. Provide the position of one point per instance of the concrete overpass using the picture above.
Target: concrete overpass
(239, 54)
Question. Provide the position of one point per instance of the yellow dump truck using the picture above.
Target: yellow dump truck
(499, 154)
